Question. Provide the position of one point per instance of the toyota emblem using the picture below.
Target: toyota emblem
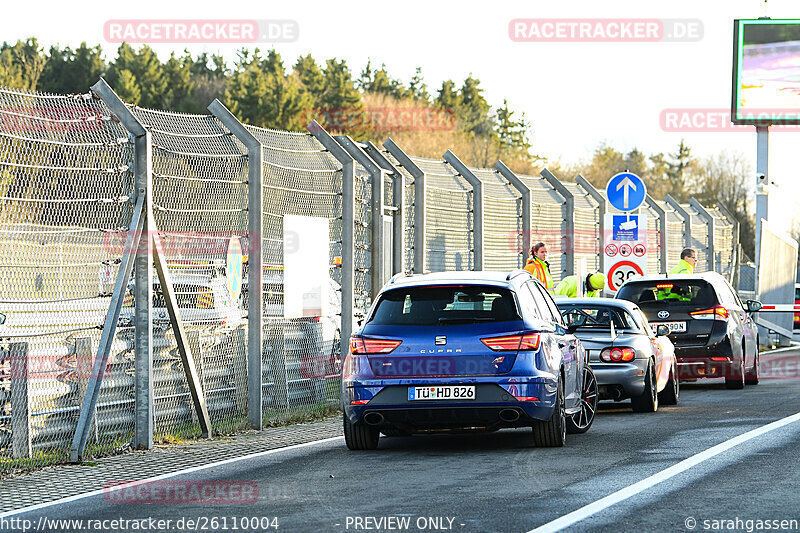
(663, 314)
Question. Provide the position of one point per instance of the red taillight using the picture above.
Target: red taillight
(527, 398)
(365, 345)
(719, 358)
(359, 402)
(618, 355)
(664, 286)
(509, 343)
(717, 312)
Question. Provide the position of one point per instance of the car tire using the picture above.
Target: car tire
(359, 436)
(647, 402)
(735, 378)
(553, 433)
(671, 393)
(751, 378)
(581, 421)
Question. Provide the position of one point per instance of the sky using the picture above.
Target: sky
(576, 94)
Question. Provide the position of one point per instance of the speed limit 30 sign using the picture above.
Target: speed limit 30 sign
(621, 272)
(625, 248)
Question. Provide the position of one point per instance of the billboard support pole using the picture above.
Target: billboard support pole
(762, 187)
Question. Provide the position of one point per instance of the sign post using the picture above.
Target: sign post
(625, 239)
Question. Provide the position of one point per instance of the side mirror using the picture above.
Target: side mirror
(572, 328)
(662, 330)
(753, 305)
(2, 318)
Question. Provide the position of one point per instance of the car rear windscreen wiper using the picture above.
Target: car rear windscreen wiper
(465, 320)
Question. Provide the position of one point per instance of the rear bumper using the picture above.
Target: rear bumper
(705, 368)
(618, 381)
(695, 362)
(494, 407)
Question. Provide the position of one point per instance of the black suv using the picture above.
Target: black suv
(713, 333)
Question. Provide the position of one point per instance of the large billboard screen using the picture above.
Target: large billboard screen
(766, 72)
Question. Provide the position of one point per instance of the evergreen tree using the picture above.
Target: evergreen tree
(310, 75)
(512, 134)
(448, 97)
(146, 70)
(180, 85)
(21, 64)
(417, 88)
(260, 93)
(681, 169)
(72, 71)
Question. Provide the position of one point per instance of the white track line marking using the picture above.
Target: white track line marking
(779, 350)
(114, 488)
(623, 494)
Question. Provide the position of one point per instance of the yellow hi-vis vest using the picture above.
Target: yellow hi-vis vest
(539, 269)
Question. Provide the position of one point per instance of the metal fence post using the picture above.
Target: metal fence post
(477, 205)
(348, 225)
(527, 208)
(687, 220)
(143, 300)
(734, 245)
(398, 193)
(710, 219)
(21, 446)
(143, 339)
(662, 224)
(420, 218)
(255, 269)
(603, 207)
(83, 367)
(569, 220)
(376, 209)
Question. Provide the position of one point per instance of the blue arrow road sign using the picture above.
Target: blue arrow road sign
(626, 191)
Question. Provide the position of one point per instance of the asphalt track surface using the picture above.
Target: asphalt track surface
(501, 482)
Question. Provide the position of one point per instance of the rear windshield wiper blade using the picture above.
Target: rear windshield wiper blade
(465, 320)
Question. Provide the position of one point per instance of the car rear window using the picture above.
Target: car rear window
(597, 317)
(660, 293)
(438, 305)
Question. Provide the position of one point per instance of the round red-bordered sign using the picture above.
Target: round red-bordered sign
(611, 250)
(622, 271)
(639, 250)
(625, 250)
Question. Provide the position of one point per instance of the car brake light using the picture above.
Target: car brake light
(618, 355)
(664, 286)
(365, 345)
(509, 343)
(359, 402)
(719, 358)
(717, 312)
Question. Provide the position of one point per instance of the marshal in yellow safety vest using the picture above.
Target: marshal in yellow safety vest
(594, 285)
